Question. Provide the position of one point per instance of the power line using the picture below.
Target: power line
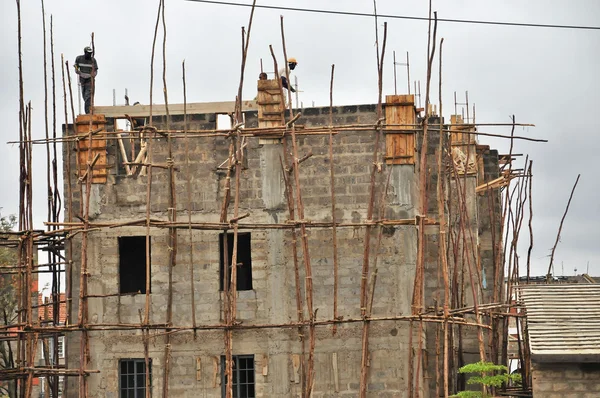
(360, 14)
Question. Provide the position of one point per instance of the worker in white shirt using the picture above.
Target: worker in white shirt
(285, 72)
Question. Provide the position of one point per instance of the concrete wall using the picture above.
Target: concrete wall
(273, 298)
(566, 380)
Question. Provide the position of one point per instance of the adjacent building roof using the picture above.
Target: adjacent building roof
(45, 308)
(563, 321)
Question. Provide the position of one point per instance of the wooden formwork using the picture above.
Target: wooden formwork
(400, 139)
(98, 147)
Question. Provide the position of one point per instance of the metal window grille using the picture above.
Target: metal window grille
(132, 378)
(49, 345)
(45, 385)
(243, 376)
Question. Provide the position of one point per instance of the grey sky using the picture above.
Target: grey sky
(544, 76)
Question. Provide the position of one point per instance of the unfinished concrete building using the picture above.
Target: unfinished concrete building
(332, 219)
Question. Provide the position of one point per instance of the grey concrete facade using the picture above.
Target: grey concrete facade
(195, 357)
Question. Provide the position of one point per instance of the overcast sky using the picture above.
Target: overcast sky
(548, 77)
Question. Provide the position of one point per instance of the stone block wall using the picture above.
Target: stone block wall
(566, 380)
(273, 297)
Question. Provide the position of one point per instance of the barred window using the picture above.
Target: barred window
(132, 378)
(243, 376)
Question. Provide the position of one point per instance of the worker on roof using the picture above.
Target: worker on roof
(284, 73)
(87, 68)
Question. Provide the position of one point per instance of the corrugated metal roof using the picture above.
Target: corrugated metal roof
(563, 321)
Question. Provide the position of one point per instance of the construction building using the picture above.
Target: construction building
(332, 218)
(242, 249)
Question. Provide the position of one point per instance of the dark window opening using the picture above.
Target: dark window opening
(132, 264)
(244, 261)
(242, 375)
(132, 378)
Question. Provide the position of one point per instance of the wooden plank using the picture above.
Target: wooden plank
(296, 366)
(400, 147)
(198, 369)
(336, 376)
(98, 147)
(216, 372)
(271, 107)
(265, 366)
(174, 109)
(124, 154)
(96, 144)
(269, 84)
(458, 137)
(85, 119)
(497, 183)
(400, 99)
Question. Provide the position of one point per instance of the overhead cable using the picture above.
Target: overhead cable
(360, 14)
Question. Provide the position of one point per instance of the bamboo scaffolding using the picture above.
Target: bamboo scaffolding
(364, 310)
(289, 194)
(220, 226)
(562, 220)
(505, 223)
(172, 214)
(289, 224)
(309, 376)
(455, 275)
(189, 199)
(333, 215)
(279, 132)
(443, 242)
(418, 289)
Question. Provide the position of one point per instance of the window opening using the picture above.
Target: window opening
(49, 346)
(132, 378)
(122, 124)
(242, 374)
(223, 121)
(132, 264)
(244, 261)
(45, 385)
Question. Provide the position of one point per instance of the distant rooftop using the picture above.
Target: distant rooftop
(563, 321)
(582, 278)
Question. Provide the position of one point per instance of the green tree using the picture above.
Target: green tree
(8, 299)
(487, 374)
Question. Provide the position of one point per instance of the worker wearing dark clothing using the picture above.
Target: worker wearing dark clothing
(87, 68)
(285, 72)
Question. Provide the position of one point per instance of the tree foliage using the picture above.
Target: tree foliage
(486, 374)
(8, 299)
